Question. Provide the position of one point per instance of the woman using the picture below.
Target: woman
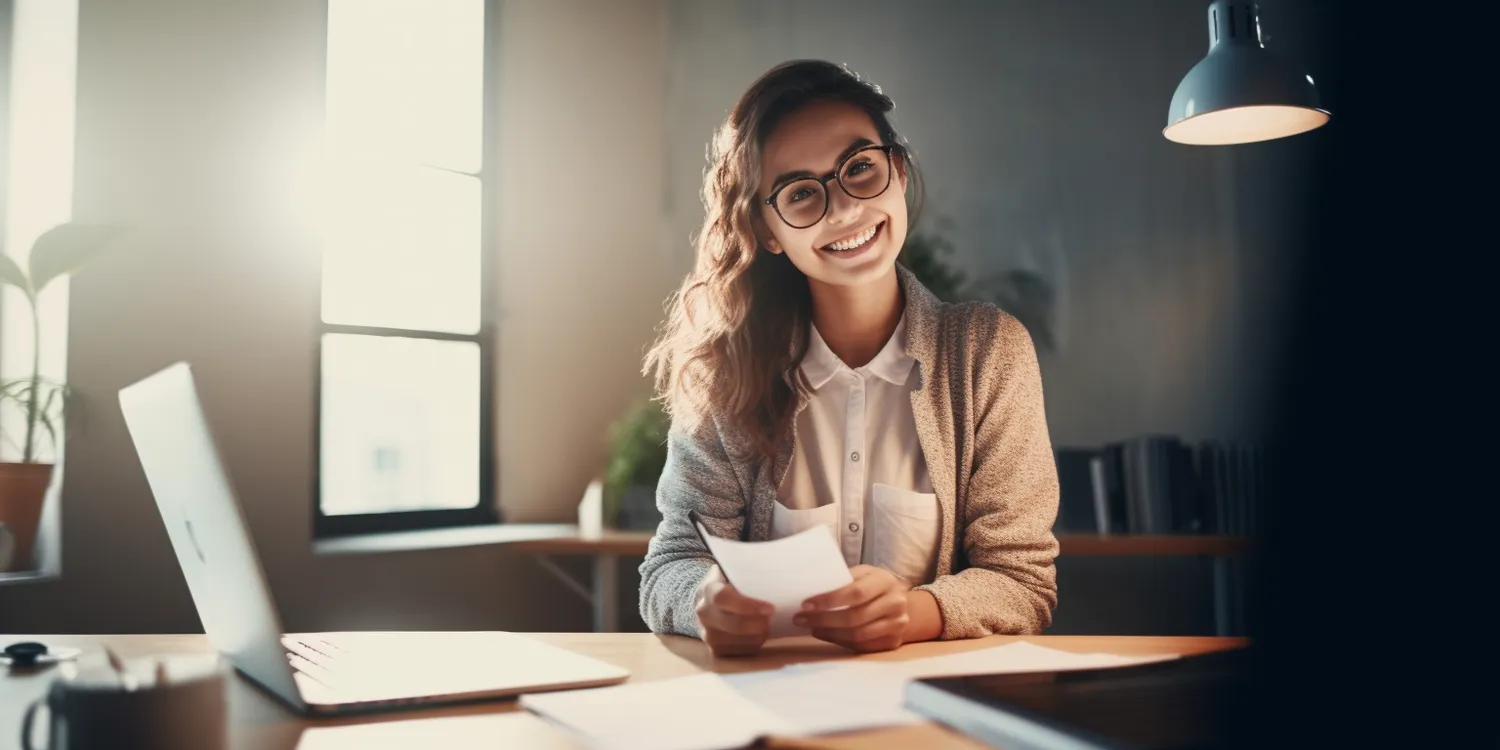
(812, 380)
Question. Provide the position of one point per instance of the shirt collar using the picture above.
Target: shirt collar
(893, 364)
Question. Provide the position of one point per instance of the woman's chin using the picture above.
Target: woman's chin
(870, 268)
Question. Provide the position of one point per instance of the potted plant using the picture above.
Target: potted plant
(638, 453)
(42, 403)
(1023, 293)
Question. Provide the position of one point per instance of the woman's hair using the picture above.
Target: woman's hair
(738, 327)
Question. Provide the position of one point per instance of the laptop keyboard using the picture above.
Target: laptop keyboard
(318, 659)
(394, 666)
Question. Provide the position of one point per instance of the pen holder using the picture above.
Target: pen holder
(99, 709)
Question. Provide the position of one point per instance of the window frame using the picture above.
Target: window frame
(487, 511)
(7, 47)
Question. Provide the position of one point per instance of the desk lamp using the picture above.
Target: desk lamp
(1241, 92)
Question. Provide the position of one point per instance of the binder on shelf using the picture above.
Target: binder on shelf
(1076, 512)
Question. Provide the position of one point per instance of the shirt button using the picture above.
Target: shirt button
(854, 457)
(854, 527)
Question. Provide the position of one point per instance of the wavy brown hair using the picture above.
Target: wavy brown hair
(738, 327)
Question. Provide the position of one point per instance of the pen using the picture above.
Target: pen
(118, 665)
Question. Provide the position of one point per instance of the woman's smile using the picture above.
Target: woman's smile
(854, 245)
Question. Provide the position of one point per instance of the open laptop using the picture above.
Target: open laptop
(312, 672)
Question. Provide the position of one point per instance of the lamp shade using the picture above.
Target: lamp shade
(1241, 92)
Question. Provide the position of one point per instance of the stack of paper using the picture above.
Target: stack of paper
(710, 712)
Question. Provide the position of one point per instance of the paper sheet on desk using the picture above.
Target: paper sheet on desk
(783, 572)
(713, 712)
(700, 712)
(829, 697)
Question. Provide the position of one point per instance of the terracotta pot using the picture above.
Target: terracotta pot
(23, 488)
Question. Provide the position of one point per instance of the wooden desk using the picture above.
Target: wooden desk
(259, 722)
(609, 546)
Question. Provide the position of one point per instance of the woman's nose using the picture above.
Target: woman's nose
(842, 207)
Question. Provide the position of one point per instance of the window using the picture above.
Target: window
(406, 380)
(38, 85)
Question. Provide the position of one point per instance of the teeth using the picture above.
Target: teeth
(855, 241)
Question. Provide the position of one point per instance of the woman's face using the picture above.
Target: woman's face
(857, 240)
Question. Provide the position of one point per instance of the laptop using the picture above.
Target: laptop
(314, 673)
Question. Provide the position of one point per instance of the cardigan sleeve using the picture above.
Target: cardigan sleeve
(697, 476)
(1010, 584)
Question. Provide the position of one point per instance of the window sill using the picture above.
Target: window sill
(26, 576)
(421, 539)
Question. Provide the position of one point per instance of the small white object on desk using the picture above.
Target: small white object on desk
(591, 511)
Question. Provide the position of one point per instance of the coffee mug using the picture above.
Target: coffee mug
(103, 709)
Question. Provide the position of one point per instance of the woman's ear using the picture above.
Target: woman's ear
(763, 235)
(898, 157)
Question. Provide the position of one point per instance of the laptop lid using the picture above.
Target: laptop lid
(206, 526)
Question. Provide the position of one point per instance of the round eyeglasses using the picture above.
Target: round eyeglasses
(864, 174)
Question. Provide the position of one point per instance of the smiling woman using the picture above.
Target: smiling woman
(812, 381)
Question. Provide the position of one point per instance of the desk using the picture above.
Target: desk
(259, 722)
(610, 546)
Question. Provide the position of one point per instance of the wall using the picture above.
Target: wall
(1039, 126)
(193, 119)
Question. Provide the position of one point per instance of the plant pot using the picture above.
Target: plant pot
(23, 489)
(637, 509)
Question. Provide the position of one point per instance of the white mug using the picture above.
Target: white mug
(97, 709)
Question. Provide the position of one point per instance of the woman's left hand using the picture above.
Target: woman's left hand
(870, 614)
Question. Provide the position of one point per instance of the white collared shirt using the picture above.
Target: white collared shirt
(858, 467)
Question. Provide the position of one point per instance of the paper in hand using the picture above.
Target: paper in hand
(784, 572)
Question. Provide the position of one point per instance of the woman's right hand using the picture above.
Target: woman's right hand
(732, 623)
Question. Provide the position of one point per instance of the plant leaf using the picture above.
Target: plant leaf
(11, 273)
(64, 249)
(51, 434)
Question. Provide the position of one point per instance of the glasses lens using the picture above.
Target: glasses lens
(801, 203)
(867, 173)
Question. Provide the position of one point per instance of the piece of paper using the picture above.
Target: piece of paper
(829, 698)
(1015, 657)
(844, 696)
(713, 712)
(699, 712)
(783, 572)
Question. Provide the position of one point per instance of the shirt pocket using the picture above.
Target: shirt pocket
(786, 522)
(905, 527)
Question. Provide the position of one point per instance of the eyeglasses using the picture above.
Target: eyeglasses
(864, 174)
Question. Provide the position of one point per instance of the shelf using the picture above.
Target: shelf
(1180, 545)
(562, 539)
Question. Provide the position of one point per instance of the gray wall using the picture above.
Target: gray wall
(1039, 127)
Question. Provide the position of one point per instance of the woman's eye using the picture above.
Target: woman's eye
(800, 194)
(858, 169)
